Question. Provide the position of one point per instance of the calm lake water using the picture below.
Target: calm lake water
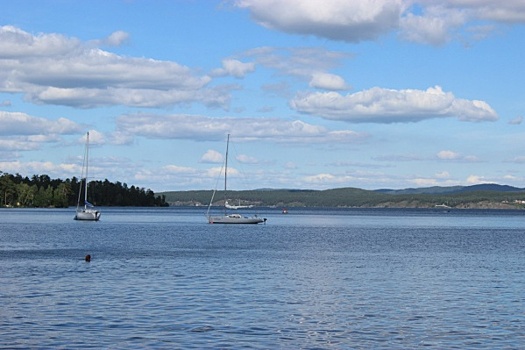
(311, 279)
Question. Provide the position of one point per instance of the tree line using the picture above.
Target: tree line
(40, 191)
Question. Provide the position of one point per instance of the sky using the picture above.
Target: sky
(370, 94)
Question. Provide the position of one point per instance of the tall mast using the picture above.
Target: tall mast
(87, 167)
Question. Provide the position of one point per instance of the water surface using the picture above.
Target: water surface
(311, 279)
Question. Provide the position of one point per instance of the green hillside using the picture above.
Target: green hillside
(458, 197)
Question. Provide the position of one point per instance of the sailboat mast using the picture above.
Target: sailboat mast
(87, 167)
(226, 171)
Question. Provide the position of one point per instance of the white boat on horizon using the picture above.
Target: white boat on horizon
(231, 218)
(88, 211)
(235, 207)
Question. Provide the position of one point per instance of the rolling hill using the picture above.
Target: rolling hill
(492, 196)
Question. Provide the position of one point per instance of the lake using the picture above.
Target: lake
(163, 278)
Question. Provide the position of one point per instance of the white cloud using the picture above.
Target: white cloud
(119, 138)
(172, 176)
(424, 182)
(214, 172)
(23, 132)
(117, 38)
(247, 129)
(49, 168)
(454, 156)
(18, 144)
(434, 27)
(425, 21)
(235, 68)
(17, 123)
(16, 43)
(378, 105)
(327, 180)
(308, 64)
(476, 179)
(212, 156)
(246, 159)
(328, 81)
(301, 62)
(343, 20)
(90, 98)
(508, 11)
(53, 69)
(448, 155)
(320, 178)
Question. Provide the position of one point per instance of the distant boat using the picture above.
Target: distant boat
(442, 206)
(231, 218)
(235, 207)
(88, 211)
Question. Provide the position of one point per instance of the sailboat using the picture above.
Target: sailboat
(88, 211)
(230, 218)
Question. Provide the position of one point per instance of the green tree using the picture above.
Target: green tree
(26, 195)
(8, 190)
(60, 195)
(44, 197)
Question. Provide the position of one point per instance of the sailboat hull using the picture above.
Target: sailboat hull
(88, 215)
(234, 219)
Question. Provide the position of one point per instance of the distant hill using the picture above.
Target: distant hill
(491, 187)
(423, 190)
(454, 189)
(492, 196)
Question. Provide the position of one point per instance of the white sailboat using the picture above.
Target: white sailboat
(88, 211)
(230, 218)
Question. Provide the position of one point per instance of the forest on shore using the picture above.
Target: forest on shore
(40, 191)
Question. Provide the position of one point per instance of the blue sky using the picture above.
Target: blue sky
(315, 94)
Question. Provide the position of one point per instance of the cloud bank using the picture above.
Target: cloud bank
(54, 69)
(378, 105)
(23, 132)
(425, 21)
(180, 126)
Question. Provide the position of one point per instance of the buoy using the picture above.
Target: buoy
(88, 258)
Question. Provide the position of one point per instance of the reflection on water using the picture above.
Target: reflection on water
(164, 278)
